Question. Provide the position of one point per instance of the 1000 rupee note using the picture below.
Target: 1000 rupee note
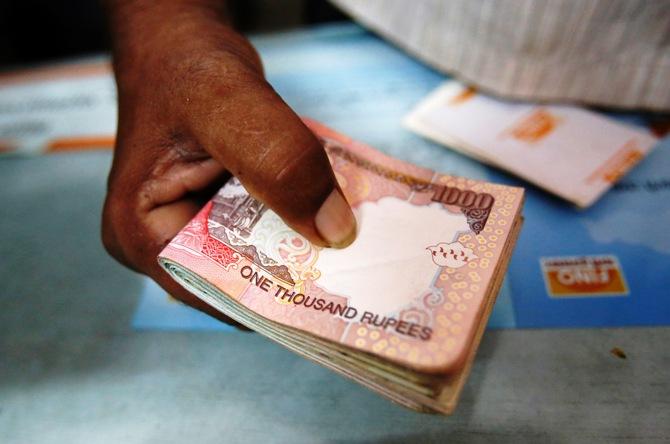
(412, 287)
(401, 310)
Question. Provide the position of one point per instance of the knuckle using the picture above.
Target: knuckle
(116, 224)
(127, 234)
(218, 70)
(199, 66)
(303, 180)
(109, 242)
(285, 173)
(298, 166)
(109, 229)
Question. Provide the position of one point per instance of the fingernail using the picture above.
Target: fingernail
(335, 221)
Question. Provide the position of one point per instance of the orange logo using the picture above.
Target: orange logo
(534, 127)
(619, 164)
(579, 276)
(463, 96)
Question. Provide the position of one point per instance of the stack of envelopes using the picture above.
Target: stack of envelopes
(569, 151)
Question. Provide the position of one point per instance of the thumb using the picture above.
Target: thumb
(261, 141)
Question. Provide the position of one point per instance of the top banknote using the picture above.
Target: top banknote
(411, 289)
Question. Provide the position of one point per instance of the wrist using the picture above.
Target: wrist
(150, 37)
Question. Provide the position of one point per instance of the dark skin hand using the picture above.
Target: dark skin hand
(194, 108)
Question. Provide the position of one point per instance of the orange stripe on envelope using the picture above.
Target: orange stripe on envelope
(534, 127)
(619, 164)
(68, 70)
(6, 146)
(463, 96)
(80, 143)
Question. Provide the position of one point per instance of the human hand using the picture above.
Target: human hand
(194, 108)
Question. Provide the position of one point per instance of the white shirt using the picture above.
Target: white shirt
(604, 52)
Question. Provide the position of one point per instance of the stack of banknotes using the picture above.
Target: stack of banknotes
(401, 310)
(569, 151)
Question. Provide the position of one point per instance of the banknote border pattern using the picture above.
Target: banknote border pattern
(476, 217)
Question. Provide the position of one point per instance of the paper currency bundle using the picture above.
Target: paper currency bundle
(401, 310)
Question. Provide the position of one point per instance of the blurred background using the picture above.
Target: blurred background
(36, 31)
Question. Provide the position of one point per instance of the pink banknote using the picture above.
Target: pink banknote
(411, 289)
